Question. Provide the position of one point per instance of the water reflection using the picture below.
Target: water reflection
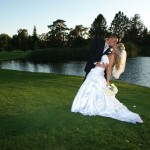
(137, 69)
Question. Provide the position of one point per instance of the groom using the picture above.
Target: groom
(98, 48)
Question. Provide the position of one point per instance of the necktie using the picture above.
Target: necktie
(105, 48)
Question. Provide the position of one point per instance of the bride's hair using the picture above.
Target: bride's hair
(119, 49)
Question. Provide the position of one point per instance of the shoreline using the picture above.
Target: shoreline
(119, 81)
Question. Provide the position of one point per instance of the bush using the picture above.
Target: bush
(58, 55)
(131, 48)
(145, 50)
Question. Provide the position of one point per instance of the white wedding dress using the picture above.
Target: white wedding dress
(92, 99)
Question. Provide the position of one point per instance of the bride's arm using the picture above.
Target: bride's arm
(110, 66)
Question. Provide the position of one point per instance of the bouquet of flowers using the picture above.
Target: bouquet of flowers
(111, 90)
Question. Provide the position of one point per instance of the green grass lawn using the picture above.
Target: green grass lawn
(35, 115)
(13, 55)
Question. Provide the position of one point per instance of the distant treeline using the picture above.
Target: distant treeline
(132, 32)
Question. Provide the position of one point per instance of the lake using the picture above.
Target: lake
(137, 69)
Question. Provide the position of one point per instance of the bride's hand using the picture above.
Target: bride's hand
(108, 84)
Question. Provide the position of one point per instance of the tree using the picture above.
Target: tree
(58, 33)
(23, 39)
(98, 28)
(15, 41)
(5, 42)
(77, 36)
(145, 37)
(135, 30)
(35, 39)
(144, 43)
(79, 31)
(43, 40)
(120, 24)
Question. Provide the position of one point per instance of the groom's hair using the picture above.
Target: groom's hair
(112, 35)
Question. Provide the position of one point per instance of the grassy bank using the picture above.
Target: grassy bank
(58, 55)
(14, 55)
(35, 115)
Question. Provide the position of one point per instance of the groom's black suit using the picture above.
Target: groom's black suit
(95, 53)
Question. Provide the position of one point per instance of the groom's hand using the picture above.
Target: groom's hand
(101, 65)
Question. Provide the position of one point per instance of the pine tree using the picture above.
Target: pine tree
(34, 39)
(98, 28)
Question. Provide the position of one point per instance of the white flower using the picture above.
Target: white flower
(111, 49)
(111, 90)
(114, 88)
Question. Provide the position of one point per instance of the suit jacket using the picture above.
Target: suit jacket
(95, 53)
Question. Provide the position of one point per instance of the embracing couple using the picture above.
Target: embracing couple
(96, 95)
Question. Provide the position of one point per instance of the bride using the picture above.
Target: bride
(95, 96)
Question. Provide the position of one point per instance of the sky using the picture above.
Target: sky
(25, 14)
